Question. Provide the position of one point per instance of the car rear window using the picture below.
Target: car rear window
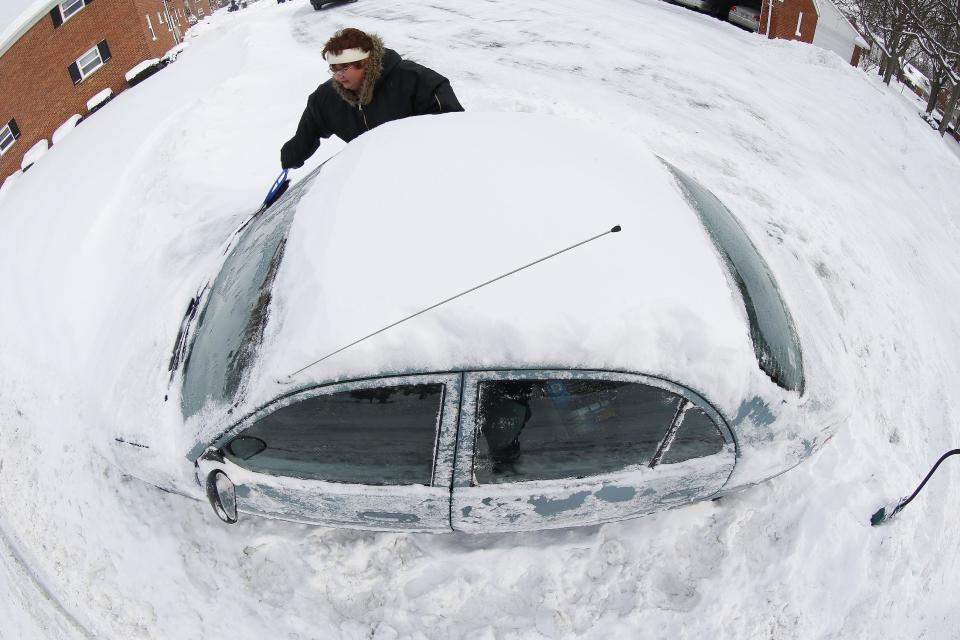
(772, 330)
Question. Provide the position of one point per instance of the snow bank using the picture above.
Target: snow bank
(175, 52)
(140, 68)
(99, 100)
(10, 181)
(64, 130)
(35, 152)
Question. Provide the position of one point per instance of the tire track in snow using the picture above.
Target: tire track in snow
(18, 566)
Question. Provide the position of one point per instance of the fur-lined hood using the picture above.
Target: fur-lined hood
(374, 71)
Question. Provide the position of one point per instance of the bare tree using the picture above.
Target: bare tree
(937, 32)
(889, 24)
(938, 75)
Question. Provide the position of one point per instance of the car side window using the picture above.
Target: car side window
(551, 429)
(696, 437)
(376, 436)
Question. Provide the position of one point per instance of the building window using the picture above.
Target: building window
(153, 35)
(8, 135)
(65, 10)
(89, 62)
(70, 7)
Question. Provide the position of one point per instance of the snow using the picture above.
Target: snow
(831, 173)
(143, 66)
(916, 78)
(9, 181)
(555, 170)
(64, 130)
(33, 154)
(99, 99)
(18, 15)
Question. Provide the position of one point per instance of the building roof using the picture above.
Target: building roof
(18, 16)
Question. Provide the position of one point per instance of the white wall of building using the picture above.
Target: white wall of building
(834, 31)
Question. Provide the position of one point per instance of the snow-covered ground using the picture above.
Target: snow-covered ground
(108, 235)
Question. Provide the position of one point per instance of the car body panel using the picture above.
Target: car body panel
(544, 504)
(362, 506)
(745, 16)
(378, 508)
(592, 500)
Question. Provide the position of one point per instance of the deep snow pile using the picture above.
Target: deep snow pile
(823, 165)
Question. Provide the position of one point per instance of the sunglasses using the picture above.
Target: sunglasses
(340, 68)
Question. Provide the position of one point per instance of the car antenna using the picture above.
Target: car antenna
(882, 514)
(615, 229)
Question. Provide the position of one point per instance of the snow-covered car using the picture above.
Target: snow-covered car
(490, 322)
(699, 5)
(915, 79)
(745, 16)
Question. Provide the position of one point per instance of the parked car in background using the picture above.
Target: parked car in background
(915, 79)
(699, 5)
(746, 16)
(318, 4)
(344, 367)
(716, 8)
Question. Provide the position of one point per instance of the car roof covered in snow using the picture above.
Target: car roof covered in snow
(420, 210)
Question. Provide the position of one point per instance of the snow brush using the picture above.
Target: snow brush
(278, 189)
(886, 512)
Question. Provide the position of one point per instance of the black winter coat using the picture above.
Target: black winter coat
(403, 89)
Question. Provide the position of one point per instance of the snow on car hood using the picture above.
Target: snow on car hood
(422, 209)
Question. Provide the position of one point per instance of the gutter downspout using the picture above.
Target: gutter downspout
(174, 28)
(769, 17)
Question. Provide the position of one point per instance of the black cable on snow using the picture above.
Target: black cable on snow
(881, 515)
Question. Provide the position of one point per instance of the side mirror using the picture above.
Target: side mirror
(245, 447)
(222, 496)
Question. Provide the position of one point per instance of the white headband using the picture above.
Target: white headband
(345, 56)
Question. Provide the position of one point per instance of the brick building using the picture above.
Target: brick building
(54, 62)
(817, 22)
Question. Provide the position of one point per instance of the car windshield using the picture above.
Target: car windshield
(772, 331)
(230, 328)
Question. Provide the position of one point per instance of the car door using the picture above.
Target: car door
(545, 449)
(368, 454)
